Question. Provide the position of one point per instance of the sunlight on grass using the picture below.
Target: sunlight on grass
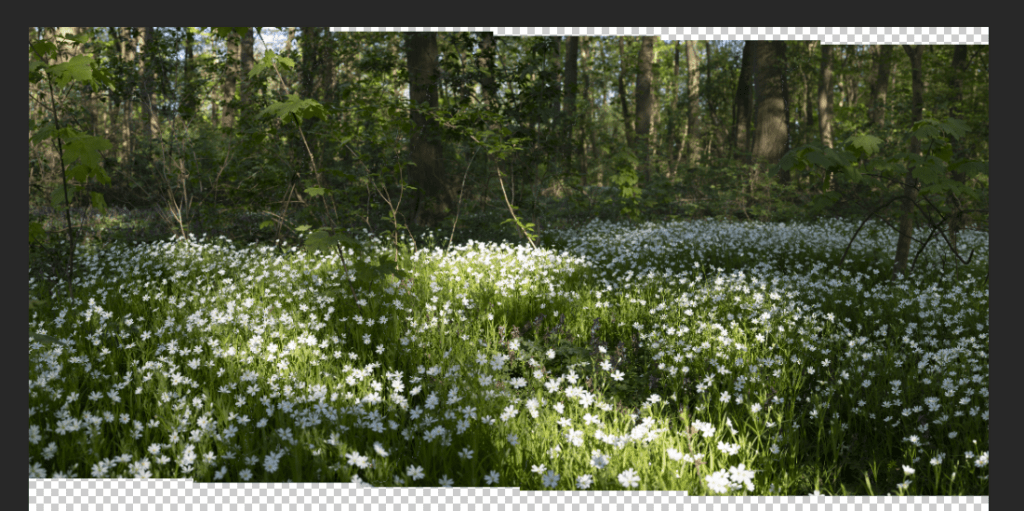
(704, 356)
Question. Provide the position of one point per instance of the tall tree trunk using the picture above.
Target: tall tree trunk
(556, 56)
(585, 125)
(674, 139)
(825, 115)
(879, 84)
(714, 130)
(780, 47)
(956, 98)
(128, 57)
(743, 100)
(693, 113)
(626, 119)
(190, 99)
(485, 62)
(246, 61)
(432, 196)
(772, 133)
(146, 81)
(853, 90)
(915, 53)
(808, 127)
(489, 89)
(569, 108)
(644, 104)
(230, 73)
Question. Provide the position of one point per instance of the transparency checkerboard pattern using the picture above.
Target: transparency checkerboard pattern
(174, 493)
(124, 494)
(827, 35)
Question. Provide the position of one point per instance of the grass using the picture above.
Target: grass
(708, 356)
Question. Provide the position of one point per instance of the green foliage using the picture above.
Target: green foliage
(628, 182)
(302, 109)
(933, 168)
(366, 274)
(79, 152)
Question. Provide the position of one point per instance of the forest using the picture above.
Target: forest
(713, 267)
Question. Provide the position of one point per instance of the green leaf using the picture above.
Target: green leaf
(302, 228)
(35, 64)
(98, 202)
(819, 159)
(863, 145)
(36, 232)
(286, 61)
(57, 197)
(929, 174)
(266, 223)
(78, 68)
(43, 132)
(85, 149)
(44, 49)
(302, 108)
(314, 191)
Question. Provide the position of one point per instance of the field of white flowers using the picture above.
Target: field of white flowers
(709, 357)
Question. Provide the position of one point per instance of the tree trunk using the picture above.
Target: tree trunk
(808, 127)
(230, 74)
(771, 135)
(825, 115)
(569, 105)
(246, 61)
(693, 113)
(909, 183)
(489, 88)
(146, 81)
(674, 140)
(644, 104)
(432, 199)
(128, 57)
(585, 125)
(956, 98)
(879, 83)
(190, 99)
(741, 120)
(626, 119)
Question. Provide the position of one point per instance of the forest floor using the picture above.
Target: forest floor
(706, 356)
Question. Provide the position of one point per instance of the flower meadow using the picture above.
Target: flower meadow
(709, 357)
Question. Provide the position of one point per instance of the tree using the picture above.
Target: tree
(771, 137)
(879, 83)
(622, 94)
(956, 96)
(149, 124)
(644, 103)
(675, 142)
(825, 115)
(189, 95)
(742, 108)
(431, 200)
(230, 77)
(808, 103)
(585, 125)
(906, 231)
(693, 115)
(245, 62)
(569, 110)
